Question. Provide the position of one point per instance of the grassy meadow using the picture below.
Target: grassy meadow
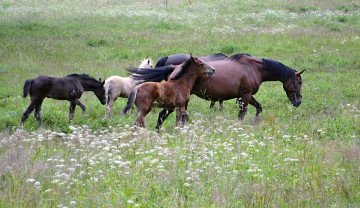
(294, 157)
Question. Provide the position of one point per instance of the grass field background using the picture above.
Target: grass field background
(306, 156)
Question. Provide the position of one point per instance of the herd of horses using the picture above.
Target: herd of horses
(169, 86)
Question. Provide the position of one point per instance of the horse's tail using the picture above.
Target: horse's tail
(26, 89)
(156, 74)
(107, 89)
(130, 102)
(162, 61)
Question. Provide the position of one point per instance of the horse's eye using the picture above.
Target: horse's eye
(300, 83)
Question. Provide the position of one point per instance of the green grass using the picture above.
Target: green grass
(294, 157)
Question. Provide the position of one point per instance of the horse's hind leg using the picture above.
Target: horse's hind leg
(82, 106)
(162, 116)
(109, 105)
(27, 113)
(258, 107)
(72, 110)
(37, 114)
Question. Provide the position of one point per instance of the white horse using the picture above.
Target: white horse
(116, 86)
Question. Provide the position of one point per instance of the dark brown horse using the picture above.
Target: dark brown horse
(68, 88)
(240, 76)
(176, 59)
(173, 94)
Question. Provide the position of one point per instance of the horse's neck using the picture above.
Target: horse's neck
(189, 79)
(88, 85)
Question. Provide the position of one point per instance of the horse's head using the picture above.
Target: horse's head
(292, 87)
(203, 68)
(146, 63)
(100, 92)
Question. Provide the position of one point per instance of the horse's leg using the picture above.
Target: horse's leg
(181, 117)
(37, 114)
(185, 117)
(82, 106)
(109, 106)
(221, 104)
(243, 103)
(258, 107)
(140, 119)
(162, 116)
(212, 104)
(72, 110)
(27, 113)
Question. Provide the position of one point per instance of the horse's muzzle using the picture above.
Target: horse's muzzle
(210, 72)
(296, 103)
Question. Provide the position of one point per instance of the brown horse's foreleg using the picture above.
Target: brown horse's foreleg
(72, 110)
(82, 106)
(162, 116)
(27, 113)
(243, 103)
(258, 107)
(181, 117)
(185, 117)
(37, 114)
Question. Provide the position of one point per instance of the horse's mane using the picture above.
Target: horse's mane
(83, 76)
(238, 56)
(184, 69)
(156, 74)
(278, 69)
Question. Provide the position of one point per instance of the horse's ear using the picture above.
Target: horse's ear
(103, 82)
(100, 80)
(298, 73)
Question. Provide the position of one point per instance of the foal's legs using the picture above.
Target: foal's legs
(82, 106)
(182, 117)
(162, 116)
(37, 114)
(258, 107)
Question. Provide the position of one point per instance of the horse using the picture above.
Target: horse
(116, 86)
(176, 59)
(240, 76)
(70, 88)
(179, 58)
(173, 94)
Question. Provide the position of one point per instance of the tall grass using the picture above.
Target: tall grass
(306, 156)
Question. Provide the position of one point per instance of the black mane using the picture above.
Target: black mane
(82, 76)
(278, 69)
(184, 69)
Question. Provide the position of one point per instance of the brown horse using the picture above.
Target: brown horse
(175, 59)
(173, 94)
(240, 76)
(68, 88)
